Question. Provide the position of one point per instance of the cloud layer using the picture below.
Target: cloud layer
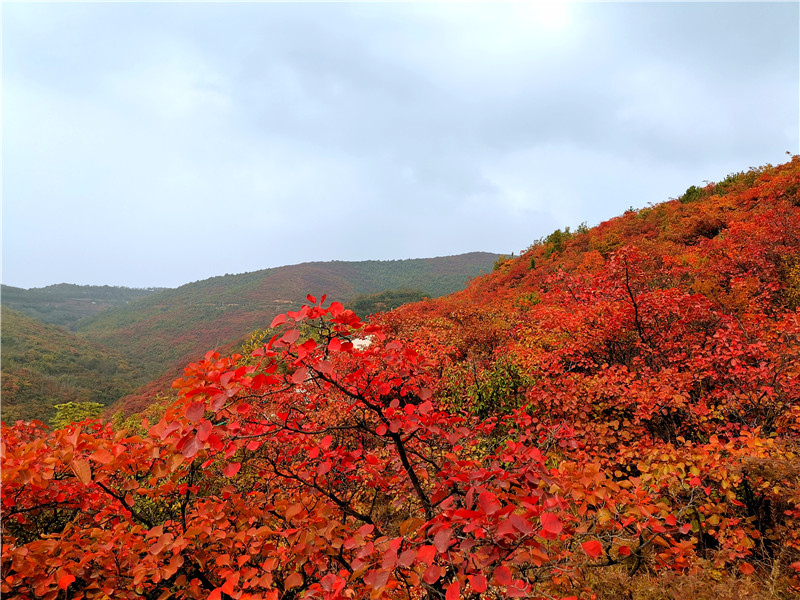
(155, 144)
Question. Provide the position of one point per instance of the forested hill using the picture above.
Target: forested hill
(65, 303)
(44, 365)
(171, 327)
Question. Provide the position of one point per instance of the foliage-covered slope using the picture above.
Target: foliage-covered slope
(175, 326)
(664, 345)
(65, 304)
(44, 365)
(369, 304)
(615, 414)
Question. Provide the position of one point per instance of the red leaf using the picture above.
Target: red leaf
(230, 584)
(191, 447)
(506, 528)
(426, 554)
(441, 540)
(311, 299)
(488, 503)
(299, 376)
(478, 583)
(521, 523)
(593, 548)
(377, 579)
(407, 558)
(502, 575)
(279, 320)
(432, 574)
(517, 589)
(550, 523)
(291, 336)
(746, 568)
(453, 591)
(231, 469)
(204, 430)
(195, 411)
(323, 467)
(102, 456)
(65, 580)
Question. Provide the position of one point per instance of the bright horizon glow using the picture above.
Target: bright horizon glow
(554, 16)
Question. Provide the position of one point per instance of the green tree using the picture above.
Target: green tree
(74, 412)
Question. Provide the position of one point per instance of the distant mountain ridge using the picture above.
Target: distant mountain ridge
(65, 303)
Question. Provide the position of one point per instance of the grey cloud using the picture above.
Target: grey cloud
(409, 130)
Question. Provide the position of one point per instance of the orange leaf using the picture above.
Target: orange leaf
(65, 580)
(82, 470)
(294, 580)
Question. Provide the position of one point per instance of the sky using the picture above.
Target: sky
(155, 144)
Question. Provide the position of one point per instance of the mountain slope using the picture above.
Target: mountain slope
(44, 365)
(167, 329)
(65, 304)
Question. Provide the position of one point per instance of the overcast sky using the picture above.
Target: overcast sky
(154, 144)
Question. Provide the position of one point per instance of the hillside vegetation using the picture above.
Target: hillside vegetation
(65, 304)
(172, 327)
(613, 414)
(44, 365)
(368, 304)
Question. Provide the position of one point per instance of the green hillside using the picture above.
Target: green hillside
(65, 303)
(368, 304)
(44, 365)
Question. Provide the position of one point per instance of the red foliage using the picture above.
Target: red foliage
(654, 425)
